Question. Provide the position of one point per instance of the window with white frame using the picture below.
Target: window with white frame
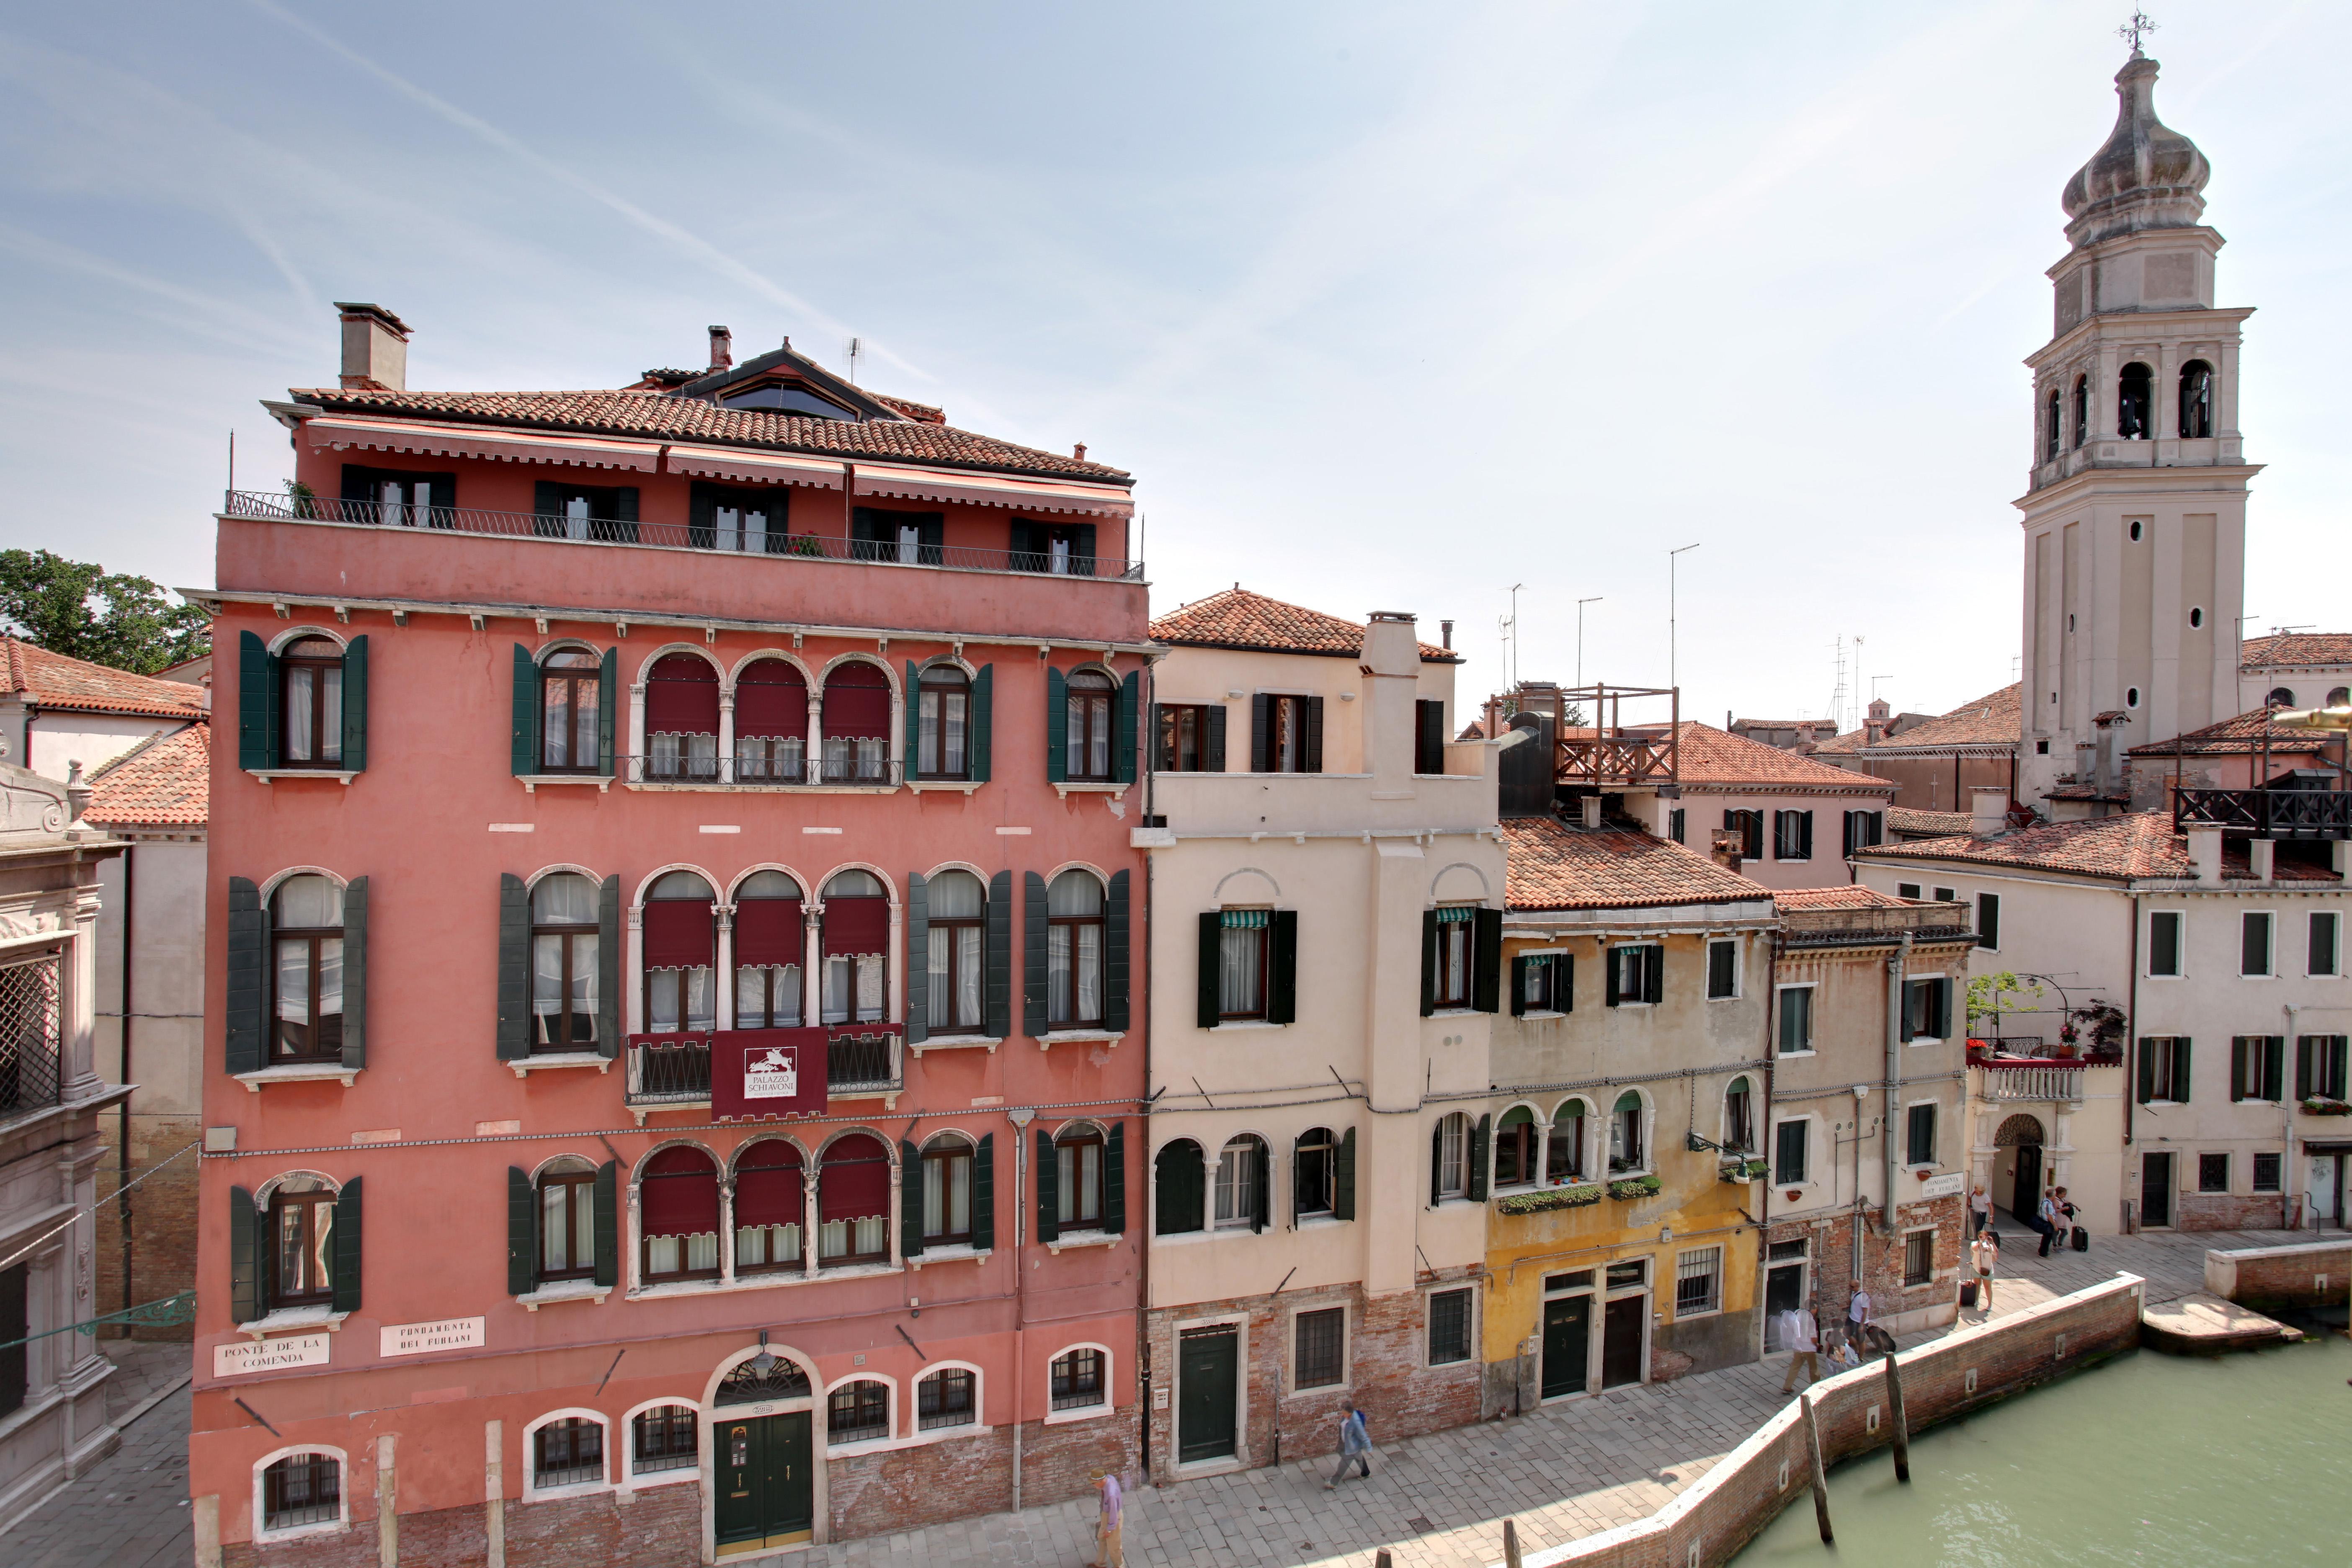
(1790, 1153)
(948, 1398)
(1740, 1118)
(958, 914)
(2322, 955)
(1449, 1327)
(666, 1437)
(301, 1491)
(2254, 942)
(2164, 942)
(1318, 1358)
(1074, 951)
(1564, 1155)
(1080, 1379)
(1452, 1155)
(1628, 1148)
(568, 1451)
(1241, 1167)
(857, 1411)
(1698, 1281)
(1796, 1020)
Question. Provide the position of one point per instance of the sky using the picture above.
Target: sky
(1386, 307)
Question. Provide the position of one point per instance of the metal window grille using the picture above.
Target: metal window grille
(1322, 1337)
(567, 1452)
(29, 1035)
(666, 1438)
(1696, 1274)
(748, 1384)
(1449, 1327)
(1918, 1259)
(857, 1413)
(2212, 1173)
(1077, 1380)
(302, 1488)
(2266, 1172)
(946, 1398)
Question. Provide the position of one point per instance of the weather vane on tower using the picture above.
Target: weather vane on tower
(2131, 32)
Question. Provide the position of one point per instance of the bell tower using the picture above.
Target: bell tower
(2135, 510)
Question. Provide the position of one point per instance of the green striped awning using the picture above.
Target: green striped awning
(1454, 914)
(1244, 919)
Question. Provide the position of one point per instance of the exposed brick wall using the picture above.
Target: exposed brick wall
(162, 1222)
(1830, 1253)
(2277, 1277)
(904, 1488)
(1058, 1463)
(658, 1524)
(2230, 1210)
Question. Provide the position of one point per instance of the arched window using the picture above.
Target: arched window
(568, 1451)
(958, 911)
(2135, 401)
(571, 706)
(1564, 1160)
(563, 966)
(312, 672)
(1739, 1117)
(306, 916)
(2281, 696)
(761, 1380)
(768, 944)
(664, 1439)
(1177, 1173)
(302, 1243)
(948, 1398)
(853, 1202)
(2337, 696)
(678, 1206)
(857, 1413)
(567, 1220)
(856, 942)
(943, 713)
(1086, 748)
(947, 1190)
(856, 725)
(1080, 1379)
(1313, 1172)
(1626, 1151)
(1073, 950)
(2082, 409)
(302, 1488)
(1453, 1156)
(1242, 1183)
(768, 1209)
(2195, 400)
(2053, 431)
(1078, 1177)
(1515, 1147)
(771, 723)
(682, 719)
(681, 947)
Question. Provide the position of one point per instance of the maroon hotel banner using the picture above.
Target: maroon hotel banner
(756, 1074)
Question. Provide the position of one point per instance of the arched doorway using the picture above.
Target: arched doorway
(764, 1487)
(2017, 1164)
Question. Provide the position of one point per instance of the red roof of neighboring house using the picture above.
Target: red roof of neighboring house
(1553, 867)
(1942, 824)
(1711, 756)
(2295, 651)
(2139, 843)
(56, 681)
(1995, 719)
(163, 781)
(1252, 622)
(2238, 737)
(662, 415)
(1852, 896)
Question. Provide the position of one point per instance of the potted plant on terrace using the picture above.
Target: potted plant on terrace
(1630, 1188)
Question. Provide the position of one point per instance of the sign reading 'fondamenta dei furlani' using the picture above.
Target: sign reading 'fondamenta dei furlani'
(417, 1338)
(268, 1355)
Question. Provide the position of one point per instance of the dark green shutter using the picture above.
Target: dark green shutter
(625, 514)
(1114, 1197)
(1428, 962)
(1654, 973)
(1805, 834)
(608, 1223)
(702, 515)
(355, 699)
(913, 753)
(1943, 993)
(1213, 738)
(1181, 1181)
(1116, 968)
(918, 959)
(1519, 985)
(1343, 1177)
(1487, 960)
(547, 501)
(1058, 726)
(608, 694)
(1210, 1006)
(1261, 1181)
(526, 712)
(1033, 949)
(514, 968)
(1479, 1137)
(1049, 1189)
(1123, 746)
(1261, 729)
(1609, 966)
(2238, 1045)
(355, 935)
(2275, 1068)
(2305, 1047)
(999, 956)
(2148, 1049)
(975, 737)
(1437, 1163)
(522, 1233)
(1161, 760)
(1282, 965)
(1297, 1169)
(910, 1200)
(983, 1194)
(608, 968)
(255, 695)
(2181, 1083)
(244, 1257)
(1311, 760)
(347, 1247)
(1564, 982)
(1906, 1033)
(247, 999)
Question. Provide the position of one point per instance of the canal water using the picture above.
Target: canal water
(2150, 1458)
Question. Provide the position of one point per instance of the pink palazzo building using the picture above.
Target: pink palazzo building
(575, 750)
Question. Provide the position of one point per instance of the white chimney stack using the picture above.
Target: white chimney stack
(1988, 810)
(2205, 854)
(375, 348)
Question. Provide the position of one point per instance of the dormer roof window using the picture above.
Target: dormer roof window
(786, 399)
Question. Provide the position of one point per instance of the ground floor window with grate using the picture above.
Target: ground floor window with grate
(1078, 1379)
(664, 1439)
(1698, 1281)
(566, 1452)
(29, 1035)
(1918, 1260)
(302, 1488)
(949, 1397)
(1449, 1327)
(1322, 1344)
(857, 1413)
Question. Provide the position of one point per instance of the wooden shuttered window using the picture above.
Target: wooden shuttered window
(1032, 955)
(355, 971)
(247, 1001)
(1058, 726)
(1487, 960)
(1114, 1192)
(2257, 1067)
(608, 1223)
(1261, 1185)
(244, 1256)
(1481, 1141)
(910, 1193)
(347, 1246)
(1282, 967)
(1118, 934)
(1343, 1177)
(525, 740)
(355, 704)
(257, 703)
(1180, 1189)
(1428, 962)
(998, 958)
(981, 726)
(918, 973)
(983, 1193)
(1124, 739)
(2319, 1066)
(1208, 1010)
(514, 968)
(522, 1233)
(1049, 1193)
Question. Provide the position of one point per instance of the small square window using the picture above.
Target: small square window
(1632, 1274)
(2212, 1173)
(1722, 969)
(1918, 1260)
(1946, 896)
(1906, 890)
(2266, 1172)
(1449, 1327)
(1322, 1339)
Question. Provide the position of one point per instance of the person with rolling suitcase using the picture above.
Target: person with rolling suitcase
(2081, 1235)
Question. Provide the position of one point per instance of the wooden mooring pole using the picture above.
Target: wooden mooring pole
(1821, 1481)
(1510, 1543)
(1902, 1422)
(1380, 1559)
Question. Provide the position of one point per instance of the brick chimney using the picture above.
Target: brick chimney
(1724, 849)
(375, 348)
(722, 348)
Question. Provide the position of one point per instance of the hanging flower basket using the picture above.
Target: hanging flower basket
(1635, 1187)
(2319, 1105)
(1550, 1198)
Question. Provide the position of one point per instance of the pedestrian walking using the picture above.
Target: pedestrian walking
(1109, 1551)
(1857, 1312)
(2053, 1215)
(1803, 1335)
(1355, 1445)
(1980, 1210)
(1984, 1256)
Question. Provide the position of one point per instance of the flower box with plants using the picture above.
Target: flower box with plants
(1635, 1187)
(2320, 1105)
(1550, 1198)
(1743, 1171)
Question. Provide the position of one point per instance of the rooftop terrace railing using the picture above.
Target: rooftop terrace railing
(2321, 814)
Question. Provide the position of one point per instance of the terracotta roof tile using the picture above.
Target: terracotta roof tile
(2236, 737)
(1995, 719)
(1238, 618)
(1851, 742)
(163, 781)
(1712, 756)
(57, 681)
(1944, 824)
(663, 416)
(2294, 650)
(1552, 867)
(2139, 844)
(1852, 896)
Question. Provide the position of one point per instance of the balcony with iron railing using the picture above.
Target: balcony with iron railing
(673, 1071)
(688, 769)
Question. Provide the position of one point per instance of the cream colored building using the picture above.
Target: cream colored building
(1327, 883)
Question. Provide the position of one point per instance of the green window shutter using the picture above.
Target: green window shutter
(514, 968)
(608, 968)
(1033, 951)
(910, 1200)
(1805, 834)
(355, 697)
(355, 935)
(1428, 962)
(254, 690)
(918, 959)
(244, 1256)
(2275, 1068)
(1567, 978)
(2238, 1048)
(1210, 1006)
(2148, 1049)
(608, 1223)
(1058, 726)
(625, 514)
(1343, 1177)
(1261, 731)
(1943, 1009)
(999, 957)
(1178, 1177)
(1049, 1189)
(347, 1247)
(1282, 979)
(2180, 1080)
(983, 1194)
(1262, 1183)
(975, 740)
(1311, 761)
(1653, 975)
(1114, 1197)
(914, 731)
(526, 712)
(1480, 1136)
(1437, 1163)
(1298, 1165)
(1519, 985)
(1609, 966)
(1212, 738)
(248, 995)
(1161, 761)
(1116, 971)
(2305, 1047)
(1487, 960)
(1123, 744)
(522, 1233)
(608, 694)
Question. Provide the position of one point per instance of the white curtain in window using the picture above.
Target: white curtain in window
(1058, 974)
(870, 1231)
(1089, 971)
(1236, 1184)
(834, 1005)
(967, 1001)
(833, 1240)
(299, 737)
(330, 977)
(1240, 984)
(872, 971)
(554, 1231)
(311, 903)
(294, 982)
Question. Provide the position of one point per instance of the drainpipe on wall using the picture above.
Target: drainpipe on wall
(2288, 1219)
(1898, 965)
(122, 1144)
(1019, 1116)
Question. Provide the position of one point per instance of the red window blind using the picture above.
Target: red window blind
(768, 931)
(680, 934)
(856, 925)
(771, 700)
(679, 1193)
(682, 697)
(857, 704)
(768, 1183)
(854, 1181)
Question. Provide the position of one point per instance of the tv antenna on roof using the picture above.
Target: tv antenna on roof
(857, 347)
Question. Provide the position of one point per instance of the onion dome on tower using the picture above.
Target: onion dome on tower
(2147, 176)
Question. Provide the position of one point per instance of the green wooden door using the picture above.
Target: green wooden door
(766, 1482)
(1207, 1362)
(1567, 1345)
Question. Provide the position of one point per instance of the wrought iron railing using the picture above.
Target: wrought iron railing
(862, 1061)
(673, 535)
(669, 1071)
(31, 1074)
(2308, 813)
(880, 773)
(750, 773)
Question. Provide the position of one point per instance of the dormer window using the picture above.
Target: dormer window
(778, 399)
